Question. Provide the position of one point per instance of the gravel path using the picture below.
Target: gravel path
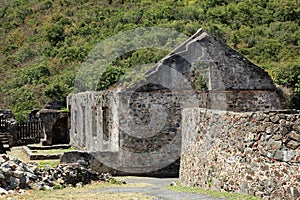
(157, 189)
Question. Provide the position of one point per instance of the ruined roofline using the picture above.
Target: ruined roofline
(203, 34)
(228, 64)
(228, 69)
(182, 47)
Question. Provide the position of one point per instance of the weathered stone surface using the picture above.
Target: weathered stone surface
(293, 144)
(273, 145)
(276, 137)
(145, 118)
(278, 155)
(3, 191)
(263, 164)
(274, 118)
(292, 192)
(8, 131)
(295, 136)
(288, 155)
(296, 127)
(17, 174)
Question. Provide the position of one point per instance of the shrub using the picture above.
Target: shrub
(55, 34)
(33, 74)
(288, 75)
(110, 76)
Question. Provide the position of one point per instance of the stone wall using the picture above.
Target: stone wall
(137, 126)
(136, 132)
(151, 121)
(89, 111)
(239, 100)
(100, 120)
(144, 126)
(7, 128)
(150, 133)
(222, 67)
(253, 152)
(7, 120)
(97, 165)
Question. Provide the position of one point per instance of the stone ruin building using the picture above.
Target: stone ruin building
(138, 130)
(55, 125)
(54, 121)
(49, 126)
(203, 113)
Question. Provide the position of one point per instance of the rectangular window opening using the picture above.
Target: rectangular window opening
(94, 121)
(105, 125)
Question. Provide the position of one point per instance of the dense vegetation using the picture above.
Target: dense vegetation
(43, 42)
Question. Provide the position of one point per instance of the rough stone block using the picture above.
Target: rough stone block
(295, 136)
(293, 144)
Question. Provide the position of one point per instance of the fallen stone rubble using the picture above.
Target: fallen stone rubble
(16, 176)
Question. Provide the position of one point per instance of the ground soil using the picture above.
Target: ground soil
(157, 188)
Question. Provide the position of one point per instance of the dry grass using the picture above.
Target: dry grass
(91, 191)
(52, 151)
(212, 193)
(18, 152)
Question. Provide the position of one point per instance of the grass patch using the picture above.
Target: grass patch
(53, 151)
(212, 193)
(18, 152)
(96, 190)
(47, 163)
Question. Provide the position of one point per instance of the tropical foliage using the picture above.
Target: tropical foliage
(43, 42)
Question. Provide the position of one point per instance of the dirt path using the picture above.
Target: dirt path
(157, 189)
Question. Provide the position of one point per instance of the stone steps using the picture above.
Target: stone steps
(5, 141)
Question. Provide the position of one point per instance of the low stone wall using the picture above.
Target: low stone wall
(96, 164)
(254, 152)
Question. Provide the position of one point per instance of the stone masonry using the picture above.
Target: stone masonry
(254, 153)
(138, 129)
(125, 135)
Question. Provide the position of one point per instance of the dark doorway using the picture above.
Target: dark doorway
(60, 131)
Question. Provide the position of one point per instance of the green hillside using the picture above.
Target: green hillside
(43, 42)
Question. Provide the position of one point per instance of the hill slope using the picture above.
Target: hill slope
(42, 43)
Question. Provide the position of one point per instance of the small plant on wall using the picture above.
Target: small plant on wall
(201, 74)
(65, 109)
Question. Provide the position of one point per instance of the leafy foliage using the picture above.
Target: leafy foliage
(34, 74)
(132, 64)
(288, 76)
(43, 43)
(110, 76)
(60, 87)
(55, 34)
(23, 101)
